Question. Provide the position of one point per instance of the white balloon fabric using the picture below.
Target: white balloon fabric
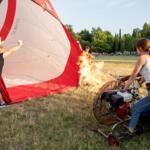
(47, 62)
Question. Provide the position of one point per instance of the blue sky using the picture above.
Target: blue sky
(107, 14)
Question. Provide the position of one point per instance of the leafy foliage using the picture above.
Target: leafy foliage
(104, 41)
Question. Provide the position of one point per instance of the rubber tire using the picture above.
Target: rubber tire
(112, 140)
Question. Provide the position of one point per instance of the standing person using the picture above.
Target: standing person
(142, 67)
(4, 99)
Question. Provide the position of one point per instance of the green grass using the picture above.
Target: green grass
(58, 122)
(117, 59)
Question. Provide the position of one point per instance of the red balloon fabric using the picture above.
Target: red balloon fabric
(47, 62)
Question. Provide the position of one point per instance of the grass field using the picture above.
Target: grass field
(119, 59)
(60, 122)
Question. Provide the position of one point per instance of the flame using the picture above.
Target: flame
(91, 73)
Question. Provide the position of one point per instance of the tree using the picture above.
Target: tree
(95, 30)
(85, 35)
(104, 41)
(146, 30)
(136, 33)
(115, 43)
(85, 38)
(71, 30)
(101, 40)
(129, 42)
(120, 36)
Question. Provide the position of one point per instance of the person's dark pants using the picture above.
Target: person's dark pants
(4, 92)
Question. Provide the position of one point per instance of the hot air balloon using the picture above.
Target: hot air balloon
(47, 62)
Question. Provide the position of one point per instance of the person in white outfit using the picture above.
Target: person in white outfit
(142, 67)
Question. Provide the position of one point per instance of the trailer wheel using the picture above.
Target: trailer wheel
(101, 111)
(112, 140)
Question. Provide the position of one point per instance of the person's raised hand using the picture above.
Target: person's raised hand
(20, 43)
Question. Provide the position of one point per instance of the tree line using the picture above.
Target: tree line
(104, 41)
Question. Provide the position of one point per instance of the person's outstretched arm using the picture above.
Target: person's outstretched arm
(138, 66)
(11, 50)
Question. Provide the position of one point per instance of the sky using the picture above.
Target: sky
(108, 14)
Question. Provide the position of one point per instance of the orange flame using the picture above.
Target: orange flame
(91, 73)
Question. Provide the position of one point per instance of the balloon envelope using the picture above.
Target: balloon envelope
(47, 62)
